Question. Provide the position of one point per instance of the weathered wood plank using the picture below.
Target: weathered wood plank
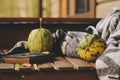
(48, 20)
(6, 66)
(25, 67)
(45, 66)
(79, 64)
(61, 64)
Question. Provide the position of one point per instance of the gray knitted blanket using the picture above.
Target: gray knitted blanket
(108, 64)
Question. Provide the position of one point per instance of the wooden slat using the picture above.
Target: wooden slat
(78, 63)
(61, 64)
(49, 20)
(25, 67)
(45, 66)
(6, 66)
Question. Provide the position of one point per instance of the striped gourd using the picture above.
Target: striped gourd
(40, 40)
(91, 47)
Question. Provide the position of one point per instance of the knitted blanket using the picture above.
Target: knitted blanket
(108, 64)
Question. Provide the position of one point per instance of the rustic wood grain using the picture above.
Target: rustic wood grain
(6, 66)
(62, 64)
(50, 20)
(25, 67)
(78, 63)
(45, 66)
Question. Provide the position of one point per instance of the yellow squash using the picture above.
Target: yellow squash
(91, 47)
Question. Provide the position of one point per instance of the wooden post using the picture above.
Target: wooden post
(40, 8)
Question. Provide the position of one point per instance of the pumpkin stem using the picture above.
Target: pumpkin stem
(40, 22)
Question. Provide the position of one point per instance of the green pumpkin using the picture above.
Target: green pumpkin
(40, 40)
(91, 47)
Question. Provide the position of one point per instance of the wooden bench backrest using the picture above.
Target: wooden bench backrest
(13, 30)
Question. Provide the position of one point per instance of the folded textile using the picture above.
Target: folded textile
(109, 23)
(67, 42)
(70, 42)
(108, 64)
(19, 47)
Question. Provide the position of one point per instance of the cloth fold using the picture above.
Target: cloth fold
(108, 64)
(70, 42)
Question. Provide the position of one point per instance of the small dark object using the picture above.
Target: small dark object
(28, 58)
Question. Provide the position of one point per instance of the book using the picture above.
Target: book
(30, 58)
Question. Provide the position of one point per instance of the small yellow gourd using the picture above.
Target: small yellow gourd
(91, 47)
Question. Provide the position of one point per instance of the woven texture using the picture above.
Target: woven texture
(108, 64)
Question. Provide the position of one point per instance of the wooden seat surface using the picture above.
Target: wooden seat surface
(61, 65)
(62, 68)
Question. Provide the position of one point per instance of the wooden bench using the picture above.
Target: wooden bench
(13, 30)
